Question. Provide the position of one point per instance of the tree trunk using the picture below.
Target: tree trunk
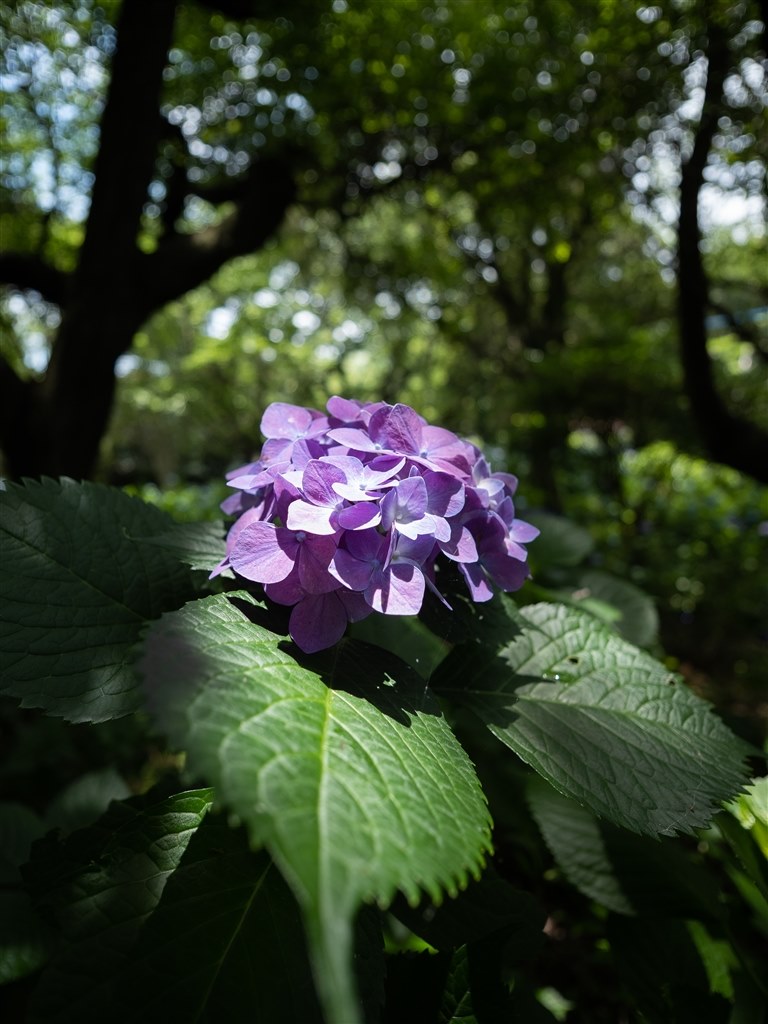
(727, 437)
(55, 426)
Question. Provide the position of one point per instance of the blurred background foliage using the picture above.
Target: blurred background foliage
(474, 210)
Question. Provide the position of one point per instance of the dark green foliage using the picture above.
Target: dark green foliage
(345, 789)
(75, 582)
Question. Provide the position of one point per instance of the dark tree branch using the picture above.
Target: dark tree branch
(182, 262)
(744, 331)
(727, 438)
(177, 186)
(23, 270)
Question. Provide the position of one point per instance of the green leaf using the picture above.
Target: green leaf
(343, 765)
(406, 636)
(75, 594)
(662, 969)
(19, 828)
(637, 621)
(602, 721)
(573, 836)
(488, 907)
(625, 872)
(167, 914)
(719, 960)
(748, 853)
(85, 799)
(225, 942)
(198, 545)
(24, 938)
(561, 542)
(456, 1004)
(99, 886)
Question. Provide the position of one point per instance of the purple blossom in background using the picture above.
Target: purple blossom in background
(346, 513)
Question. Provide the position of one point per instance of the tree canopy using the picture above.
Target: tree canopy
(455, 182)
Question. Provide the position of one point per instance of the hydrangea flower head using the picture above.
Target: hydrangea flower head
(346, 513)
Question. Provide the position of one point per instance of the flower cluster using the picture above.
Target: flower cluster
(346, 513)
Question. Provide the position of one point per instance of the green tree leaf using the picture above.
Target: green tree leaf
(602, 721)
(76, 592)
(342, 765)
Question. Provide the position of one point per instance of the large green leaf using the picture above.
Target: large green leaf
(225, 943)
(625, 872)
(342, 764)
(573, 836)
(198, 545)
(560, 543)
(635, 617)
(488, 907)
(85, 799)
(75, 593)
(602, 721)
(99, 886)
(167, 914)
(24, 938)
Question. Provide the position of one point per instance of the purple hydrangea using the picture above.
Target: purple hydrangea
(346, 513)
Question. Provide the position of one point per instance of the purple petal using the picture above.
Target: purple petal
(523, 532)
(251, 481)
(516, 550)
(318, 621)
(309, 518)
(507, 572)
(282, 420)
(357, 440)
(356, 606)
(461, 547)
(368, 546)
(249, 467)
(440, 443)
(423, 527)
(287, 591)
(359, 516)
(479, 588)
(276, 452)
(263, 552)
(405, 503)
(345, 409)
(352, 572)
(419, 550)
(402, 430)
(318, 480)
(398, 590)
(437, 526)
(313, 560)
(305, 449)
(445, 494)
